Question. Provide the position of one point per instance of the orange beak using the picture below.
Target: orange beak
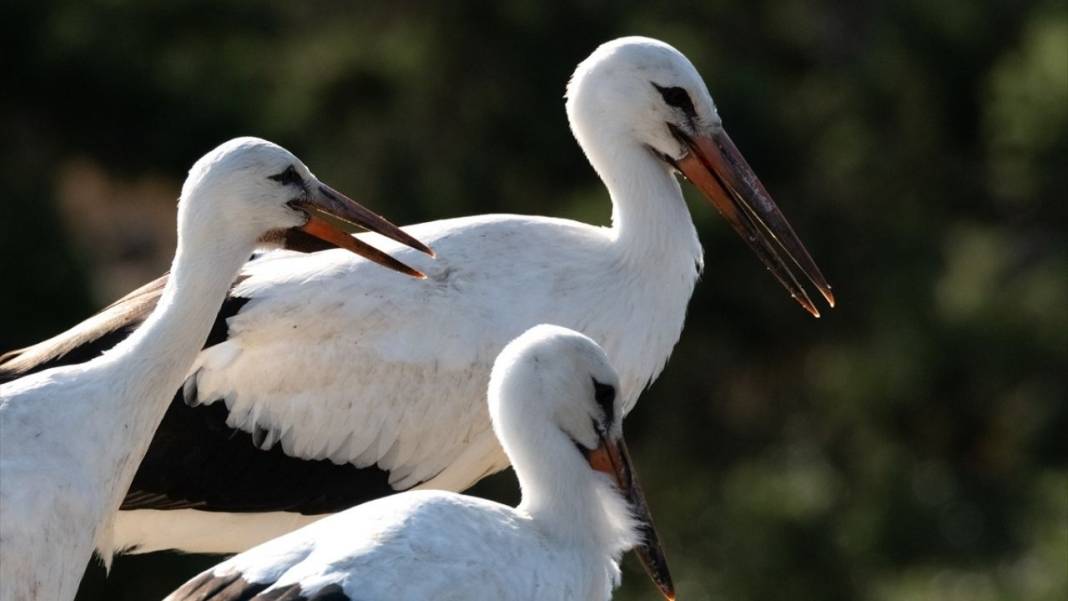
(612, 458)
(719, 171)
(326, 200)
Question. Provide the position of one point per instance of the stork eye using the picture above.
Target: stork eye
(288, 177)
(678, 98)
(605, 395)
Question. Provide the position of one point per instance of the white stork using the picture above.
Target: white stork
(310, 399)
(72, 437)
(553, 405)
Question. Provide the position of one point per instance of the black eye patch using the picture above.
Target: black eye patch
(605, 395)
(678, 98)
(288, 177)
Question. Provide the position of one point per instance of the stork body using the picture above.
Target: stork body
(408, 405)
(553, 406)
(71, 437)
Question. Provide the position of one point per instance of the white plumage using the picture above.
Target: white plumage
(553, 405)
(72, 437)
(416, 355)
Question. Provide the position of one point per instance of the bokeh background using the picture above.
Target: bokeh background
(910, 445)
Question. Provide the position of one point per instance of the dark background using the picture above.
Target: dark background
(909, 445)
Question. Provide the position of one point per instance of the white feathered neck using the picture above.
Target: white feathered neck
(650, 219)
(144, 370)
(567, 499)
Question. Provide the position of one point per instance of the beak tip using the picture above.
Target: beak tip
(807, 305)
(417, 245)
(423, 248)
(411, 271)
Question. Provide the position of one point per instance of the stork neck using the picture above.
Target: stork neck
(569, 500)
(650, 219)
(169, 340)
(151, 363)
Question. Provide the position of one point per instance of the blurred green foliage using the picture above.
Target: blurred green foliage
(910, 445)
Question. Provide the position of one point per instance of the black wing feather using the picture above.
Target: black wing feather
(234, 587)
(293, 592)
(197, 461)
(209, 587)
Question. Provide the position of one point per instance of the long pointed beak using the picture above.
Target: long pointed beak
(612, 458)
(328, 201)
(719, 170)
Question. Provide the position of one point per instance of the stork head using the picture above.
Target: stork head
(553, 390)
(258, 188)
(645, 93)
